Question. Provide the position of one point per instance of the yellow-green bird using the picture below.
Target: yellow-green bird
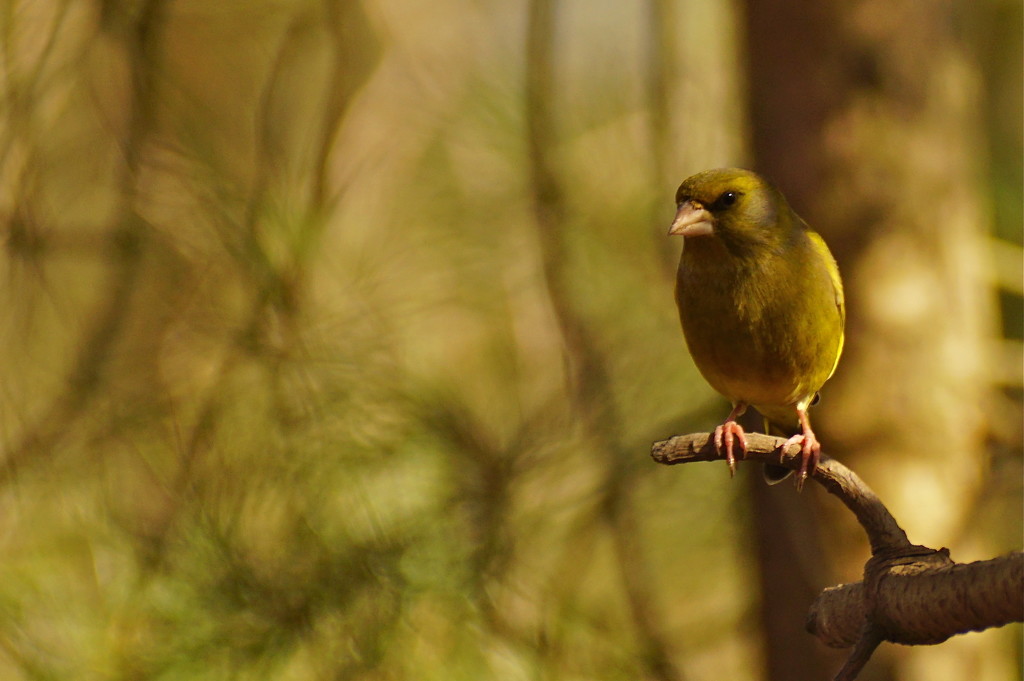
(761, 305)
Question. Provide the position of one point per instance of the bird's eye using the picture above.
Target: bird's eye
(727, 199)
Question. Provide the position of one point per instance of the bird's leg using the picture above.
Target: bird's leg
(729, 430)
(810, 448)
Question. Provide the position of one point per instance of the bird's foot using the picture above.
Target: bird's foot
(726, 434)
(810, 455)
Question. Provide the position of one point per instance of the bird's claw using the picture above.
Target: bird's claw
(726, 434)
(810, 455)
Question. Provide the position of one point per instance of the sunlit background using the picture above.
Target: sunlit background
(335, 334)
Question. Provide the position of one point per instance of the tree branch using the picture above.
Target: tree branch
(911, 594)
(882, 530)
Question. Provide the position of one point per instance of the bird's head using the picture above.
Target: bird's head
(735, 205)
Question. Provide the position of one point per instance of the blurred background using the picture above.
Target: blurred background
(335, 334)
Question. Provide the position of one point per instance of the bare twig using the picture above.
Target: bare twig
(882, 530)
(911, 594)
(862, 651)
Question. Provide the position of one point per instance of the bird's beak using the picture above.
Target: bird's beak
(692, 220)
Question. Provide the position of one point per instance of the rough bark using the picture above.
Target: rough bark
(910, 594)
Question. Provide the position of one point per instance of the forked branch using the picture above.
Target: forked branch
(910, 594)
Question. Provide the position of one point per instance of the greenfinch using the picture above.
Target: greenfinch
(761, 305)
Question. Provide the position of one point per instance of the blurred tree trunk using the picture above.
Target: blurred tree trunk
(863, 114)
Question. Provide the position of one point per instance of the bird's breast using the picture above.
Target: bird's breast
(755, 330)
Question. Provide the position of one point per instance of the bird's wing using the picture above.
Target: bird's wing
(837, 288)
